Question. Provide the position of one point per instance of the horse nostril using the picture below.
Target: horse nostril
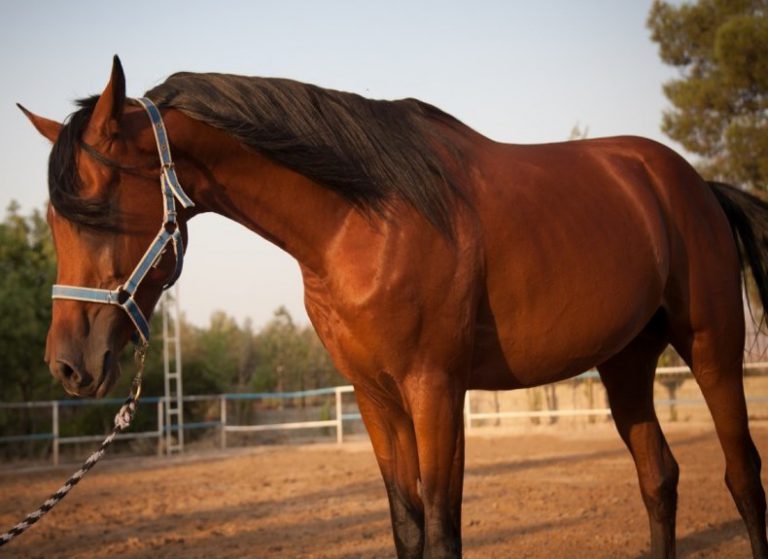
(66, 371)
(71, 375)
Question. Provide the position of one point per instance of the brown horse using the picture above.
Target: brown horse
(434, 261)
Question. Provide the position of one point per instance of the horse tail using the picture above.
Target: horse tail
(748, 216)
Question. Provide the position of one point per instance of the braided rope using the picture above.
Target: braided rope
(123, 420)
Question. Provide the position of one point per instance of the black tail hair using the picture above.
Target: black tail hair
(748, 216)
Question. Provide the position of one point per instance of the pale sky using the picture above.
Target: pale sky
(517, 71)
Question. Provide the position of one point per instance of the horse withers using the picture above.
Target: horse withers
(434, 261)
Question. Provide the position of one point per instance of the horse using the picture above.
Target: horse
(434, 261)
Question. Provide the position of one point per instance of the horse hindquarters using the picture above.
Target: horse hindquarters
(718, 372)
(708, 332)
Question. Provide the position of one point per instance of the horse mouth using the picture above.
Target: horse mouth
(102, 388)
(110, 372)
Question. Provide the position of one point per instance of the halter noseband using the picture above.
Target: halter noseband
(122, 295)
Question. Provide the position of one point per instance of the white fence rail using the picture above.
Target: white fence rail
(337, 422)
(225, 424)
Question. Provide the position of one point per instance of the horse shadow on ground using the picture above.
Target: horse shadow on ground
(505, 467)
(707, 538)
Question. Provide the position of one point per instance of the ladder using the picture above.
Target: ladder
(174, 411)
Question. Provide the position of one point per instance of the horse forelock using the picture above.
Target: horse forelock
(64, 184)
(369, 151)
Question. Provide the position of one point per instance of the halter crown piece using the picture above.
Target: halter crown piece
(122, 295)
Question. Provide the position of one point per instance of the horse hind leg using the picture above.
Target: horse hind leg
(628, 378)
(715, 357)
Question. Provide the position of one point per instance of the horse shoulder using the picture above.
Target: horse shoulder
(375, 304)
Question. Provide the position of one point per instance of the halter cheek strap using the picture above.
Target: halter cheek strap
(123, 295)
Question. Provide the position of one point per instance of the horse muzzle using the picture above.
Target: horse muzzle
(93, 375)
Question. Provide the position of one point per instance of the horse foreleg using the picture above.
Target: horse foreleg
(628, 378)
(436, 405)
(394, 443)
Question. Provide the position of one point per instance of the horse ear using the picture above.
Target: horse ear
(109, 107)
(47, 127)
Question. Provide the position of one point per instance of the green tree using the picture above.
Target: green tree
(213, 356)
(27, 271)
(291, 358)
(720, 101)
(225, 356)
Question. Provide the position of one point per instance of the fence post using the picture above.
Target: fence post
(223, 420)
(339, 417)
(160, 426)
(467, 413)
(55, 429)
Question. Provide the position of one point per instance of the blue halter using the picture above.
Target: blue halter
(122, 295)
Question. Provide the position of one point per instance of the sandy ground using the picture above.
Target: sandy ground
(555, 492)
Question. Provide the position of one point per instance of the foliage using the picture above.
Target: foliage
(27, 271)
(291, 358)
(222, 357)
(720, 101)
(228, 357)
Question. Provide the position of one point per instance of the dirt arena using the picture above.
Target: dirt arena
(553, 492)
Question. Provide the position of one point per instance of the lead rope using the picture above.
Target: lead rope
(122, 422)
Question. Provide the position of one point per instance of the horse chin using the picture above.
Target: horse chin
(70, 391)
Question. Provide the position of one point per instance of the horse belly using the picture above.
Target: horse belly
(574, 272)
(538, 345)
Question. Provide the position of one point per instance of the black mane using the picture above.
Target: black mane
(371, 152)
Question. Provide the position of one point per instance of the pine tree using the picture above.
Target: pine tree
(720, 100)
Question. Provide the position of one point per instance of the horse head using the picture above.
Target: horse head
(104, 211)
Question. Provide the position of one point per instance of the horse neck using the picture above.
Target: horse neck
(284, 207)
